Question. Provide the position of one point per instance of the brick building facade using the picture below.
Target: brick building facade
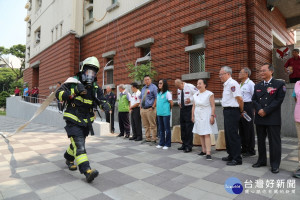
(237, 33)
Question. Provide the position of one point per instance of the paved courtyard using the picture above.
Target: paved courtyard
(32, 167)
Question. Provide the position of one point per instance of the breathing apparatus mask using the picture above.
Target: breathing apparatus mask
(88, 75)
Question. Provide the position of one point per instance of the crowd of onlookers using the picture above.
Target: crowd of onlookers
(244, 104)
(27, 94)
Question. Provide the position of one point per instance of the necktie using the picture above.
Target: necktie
(266, 84)
(144, 98)
(182, 99)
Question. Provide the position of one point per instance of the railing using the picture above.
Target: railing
(40, 99)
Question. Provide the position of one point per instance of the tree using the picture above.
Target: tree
(8, 80)
(19, 52)
(137, 72)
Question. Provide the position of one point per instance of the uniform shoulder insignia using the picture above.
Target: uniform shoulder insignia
(233, 88)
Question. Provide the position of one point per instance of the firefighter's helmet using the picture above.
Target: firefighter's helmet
(91, 62)
(89, 69)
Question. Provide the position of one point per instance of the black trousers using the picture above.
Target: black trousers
(136, 123)
(273, 133)
(232, 138)
(186, 127)
(124, 123)
(112, 123)
(246, 130)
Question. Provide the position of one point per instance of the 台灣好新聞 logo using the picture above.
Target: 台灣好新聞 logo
(233, 186)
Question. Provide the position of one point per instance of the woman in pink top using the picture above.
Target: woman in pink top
(296, 95)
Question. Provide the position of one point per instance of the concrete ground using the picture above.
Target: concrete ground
(32, 167)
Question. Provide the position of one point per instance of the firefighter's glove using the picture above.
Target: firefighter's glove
(105, 106)
(80, 89)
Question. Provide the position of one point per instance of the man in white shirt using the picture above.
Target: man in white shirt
(233, 106)
(185, 93)
(246, 128)
(136, 123)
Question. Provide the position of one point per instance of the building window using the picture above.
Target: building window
(197, 39)
(30, 5)
(52, 30)
(61, 26)
(91, 13)
(197, 58)
(114, 4)
(91, 1)
(38, 4)
(109, 77)
(28, 53)
(56, 32)
(145, 51)
(110, 61)
(38, 35)
(196, 50)
(29, 28)
(109, 71)
(197, 61)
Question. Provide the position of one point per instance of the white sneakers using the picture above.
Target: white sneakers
(159, 147)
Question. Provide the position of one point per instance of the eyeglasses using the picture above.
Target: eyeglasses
(160, 83)
(222, 74)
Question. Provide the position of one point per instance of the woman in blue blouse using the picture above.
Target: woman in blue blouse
(164, 104)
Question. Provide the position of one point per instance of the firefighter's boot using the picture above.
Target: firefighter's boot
(71, 165)
(90, 175)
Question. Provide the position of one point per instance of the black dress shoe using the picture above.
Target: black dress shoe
(126, 136)
(234, 163)
(274, 170)
(120, 135)
(246, 155)
(181, 148)
(227, 159)
(138, 139)
(257, 165)
(132, 138)
(186, 150)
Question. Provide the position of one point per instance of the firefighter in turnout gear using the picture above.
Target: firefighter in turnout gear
(81, 95)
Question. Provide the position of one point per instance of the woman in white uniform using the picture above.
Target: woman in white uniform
(204, 118)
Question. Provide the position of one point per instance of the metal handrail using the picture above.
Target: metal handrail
(39, 100)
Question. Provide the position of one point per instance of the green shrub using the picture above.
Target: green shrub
(3, 96)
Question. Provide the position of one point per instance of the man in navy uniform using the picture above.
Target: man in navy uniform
(111, 99)
(267, 99)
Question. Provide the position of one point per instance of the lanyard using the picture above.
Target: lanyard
(241, 85)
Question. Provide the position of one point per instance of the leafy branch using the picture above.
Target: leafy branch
(137, 72)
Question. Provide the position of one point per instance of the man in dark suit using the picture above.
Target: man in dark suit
(111, 98)
(267, 99)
